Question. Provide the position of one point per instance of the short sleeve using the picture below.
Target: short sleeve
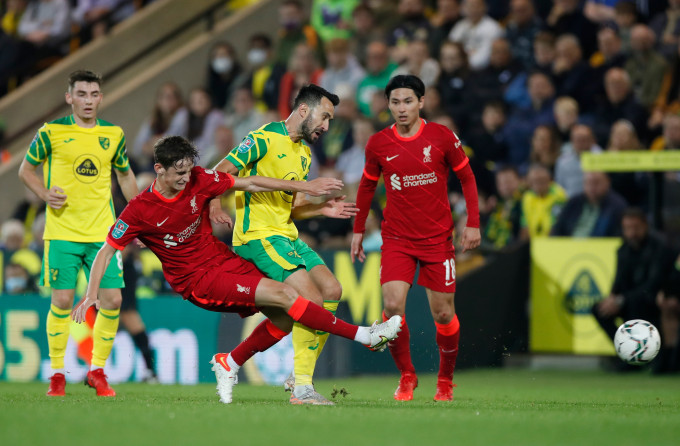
(252, 148)
(455, 154)
(372, 167)
(40, 148)
(212, 182)
(120, 159)
(125, 229)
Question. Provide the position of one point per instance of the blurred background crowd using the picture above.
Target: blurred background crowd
(528, 86)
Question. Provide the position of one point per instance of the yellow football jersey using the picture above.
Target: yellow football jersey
(268, 152)
(79, 161)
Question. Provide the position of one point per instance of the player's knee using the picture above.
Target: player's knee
(61, 301)
(443, 317)
(285, 295)
(332, 291)
(393, 308)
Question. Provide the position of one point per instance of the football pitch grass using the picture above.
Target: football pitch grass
(491, 407)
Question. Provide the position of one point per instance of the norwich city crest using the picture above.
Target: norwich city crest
(104, 142)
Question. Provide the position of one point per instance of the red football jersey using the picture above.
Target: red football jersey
(416, 170)
(177, 230)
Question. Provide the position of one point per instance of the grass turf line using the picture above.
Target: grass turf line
(504, 407)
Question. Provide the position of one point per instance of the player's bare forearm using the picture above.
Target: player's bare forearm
(99, 265)
(128, 183)
(307, 210)
(226, 166)
(317, 187)
(27, 174)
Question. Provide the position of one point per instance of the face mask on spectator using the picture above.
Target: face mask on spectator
(15, 284)
(222, 65)
(257, 56)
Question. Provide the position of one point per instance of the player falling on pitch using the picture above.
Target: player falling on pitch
(171, 218)
(414, 157)
(265, 234)
(78, 152)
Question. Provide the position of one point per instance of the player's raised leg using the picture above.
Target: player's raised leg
(448, 335)
(394, 297)
(282, 303)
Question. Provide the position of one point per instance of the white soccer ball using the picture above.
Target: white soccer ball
(637, 342)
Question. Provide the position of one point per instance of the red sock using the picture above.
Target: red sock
(264, 336)
(400, 348)
(447, 340)
(313, 316)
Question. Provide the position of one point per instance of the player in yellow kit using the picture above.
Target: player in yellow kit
(264, 232)
(77, 153)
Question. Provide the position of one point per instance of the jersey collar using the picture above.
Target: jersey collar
(159, 195)
(410, 138)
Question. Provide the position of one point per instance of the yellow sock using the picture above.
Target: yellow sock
(103, 334)
(58, 322)
(332, 306)
(305, 344)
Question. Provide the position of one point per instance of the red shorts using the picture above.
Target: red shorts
(437, 264)
(228, 288)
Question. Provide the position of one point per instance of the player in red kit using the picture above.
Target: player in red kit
(171, 218)
(414, 157)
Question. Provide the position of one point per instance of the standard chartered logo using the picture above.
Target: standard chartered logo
(422, 179)
(396, 183)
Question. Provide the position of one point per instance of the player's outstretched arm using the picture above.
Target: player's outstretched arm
(316, 187)
(101, 262)
(334, 207)
(54, 197)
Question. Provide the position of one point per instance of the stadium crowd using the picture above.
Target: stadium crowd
(528, 86)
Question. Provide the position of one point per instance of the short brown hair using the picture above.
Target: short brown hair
(83, 76)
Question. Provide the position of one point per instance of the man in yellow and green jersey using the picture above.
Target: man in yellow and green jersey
(264, 232)
(77, 153)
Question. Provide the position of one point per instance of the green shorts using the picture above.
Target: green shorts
(279, 257)
(62, 262)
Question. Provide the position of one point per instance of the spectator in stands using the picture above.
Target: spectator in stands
(595, 212)
(303, 69)
(566, 17)
(521, 30)
(11, 237)
(632, 186)
(419, 63)
(433, 104)
(541, 203)
(366, 30)
(379, 70)
(488, 145)
(666, 27)
(522, 121)
(37, 244)
(619, 103)
(350, 163)
(568, 171)
(599, 11)
(609, 55)
(332, 19)
(545, 148)
(342, 68)
(453, 81)
(11, 17)
(338, 138)
(27, 210)
(202, 121)
(294, 31)
(168, 117)
(517, 92)
(95, 17)
(411, 25)
(223, 72)
(18, 280)
(223, 142)
(566, 112)
(442, 21)
(245, 117)
(646, 67)
(476, 32)
(571, 73)
(643, 263)
(625, 16)
(503, 224)
(379, 111)
(670, 138)
(264, 73)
